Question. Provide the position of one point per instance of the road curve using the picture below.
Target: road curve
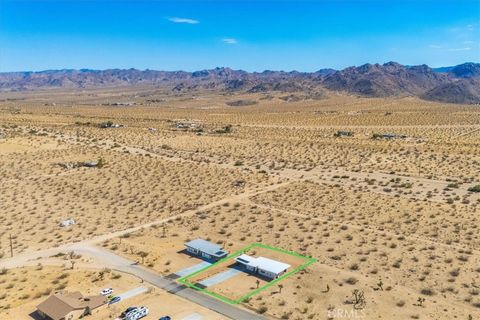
(107, 259)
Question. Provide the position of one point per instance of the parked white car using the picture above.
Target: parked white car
(106, 292)
(136, 314)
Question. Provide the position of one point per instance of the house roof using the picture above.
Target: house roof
(246, 259)
(57, 306)
(207, 247)
(263, 263)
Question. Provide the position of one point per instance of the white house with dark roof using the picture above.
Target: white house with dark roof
(263, 266)
(206, 249)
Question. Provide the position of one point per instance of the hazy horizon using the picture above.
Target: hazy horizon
(227, 67)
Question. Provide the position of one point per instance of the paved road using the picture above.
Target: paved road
(108, 259)
(124, 265)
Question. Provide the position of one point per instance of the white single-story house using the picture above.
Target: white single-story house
(206, 249)
(263, 266)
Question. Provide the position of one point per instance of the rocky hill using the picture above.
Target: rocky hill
(458, 84)
(465, 91)
(385, 80)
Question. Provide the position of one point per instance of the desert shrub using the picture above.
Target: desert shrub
(474, 188)
(427, 292)
(262, 309)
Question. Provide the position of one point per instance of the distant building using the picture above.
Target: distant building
(206, 249)
(69, 306)
(344, 134)
(110, 124)
(67, 222)
(90, 164)
(263, 266)
(388, 136)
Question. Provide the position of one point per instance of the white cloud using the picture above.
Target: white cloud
(183, 20)
(460, 49)
(435, 46)
(230, 40)
(468, 42)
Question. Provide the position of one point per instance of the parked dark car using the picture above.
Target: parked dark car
(114, 300)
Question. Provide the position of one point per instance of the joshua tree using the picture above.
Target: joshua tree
(164, 230)
(420, 301)
(359, 301)
(143, 255)
(101, 163)
(380, 284)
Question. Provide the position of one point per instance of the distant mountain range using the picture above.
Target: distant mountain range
(456, 84)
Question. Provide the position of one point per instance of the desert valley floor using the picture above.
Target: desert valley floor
(380, 192)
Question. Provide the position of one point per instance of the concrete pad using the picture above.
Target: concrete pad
(225, 275)
(133, 293)
(192, 269)
(193, 316)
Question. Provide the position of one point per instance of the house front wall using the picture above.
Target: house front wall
(191, 250)
(43, 315)
(250, 268)
(74, 315)
(268, 274)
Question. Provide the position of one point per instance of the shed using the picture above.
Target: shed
(67, 222)
(90, 164)
(206, 249)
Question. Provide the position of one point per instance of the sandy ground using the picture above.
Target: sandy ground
(393, 219)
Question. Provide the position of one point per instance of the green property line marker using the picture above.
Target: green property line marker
(308, 261)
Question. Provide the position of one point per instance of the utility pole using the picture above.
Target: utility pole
(11, 246)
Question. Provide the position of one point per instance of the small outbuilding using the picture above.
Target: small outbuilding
(90, 164)
(344, 134)
(269, 268)
(67, 222)
(206, 249)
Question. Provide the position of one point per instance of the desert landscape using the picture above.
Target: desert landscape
(382, 192)
(244, 160)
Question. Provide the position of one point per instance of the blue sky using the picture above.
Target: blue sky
(249, 35)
